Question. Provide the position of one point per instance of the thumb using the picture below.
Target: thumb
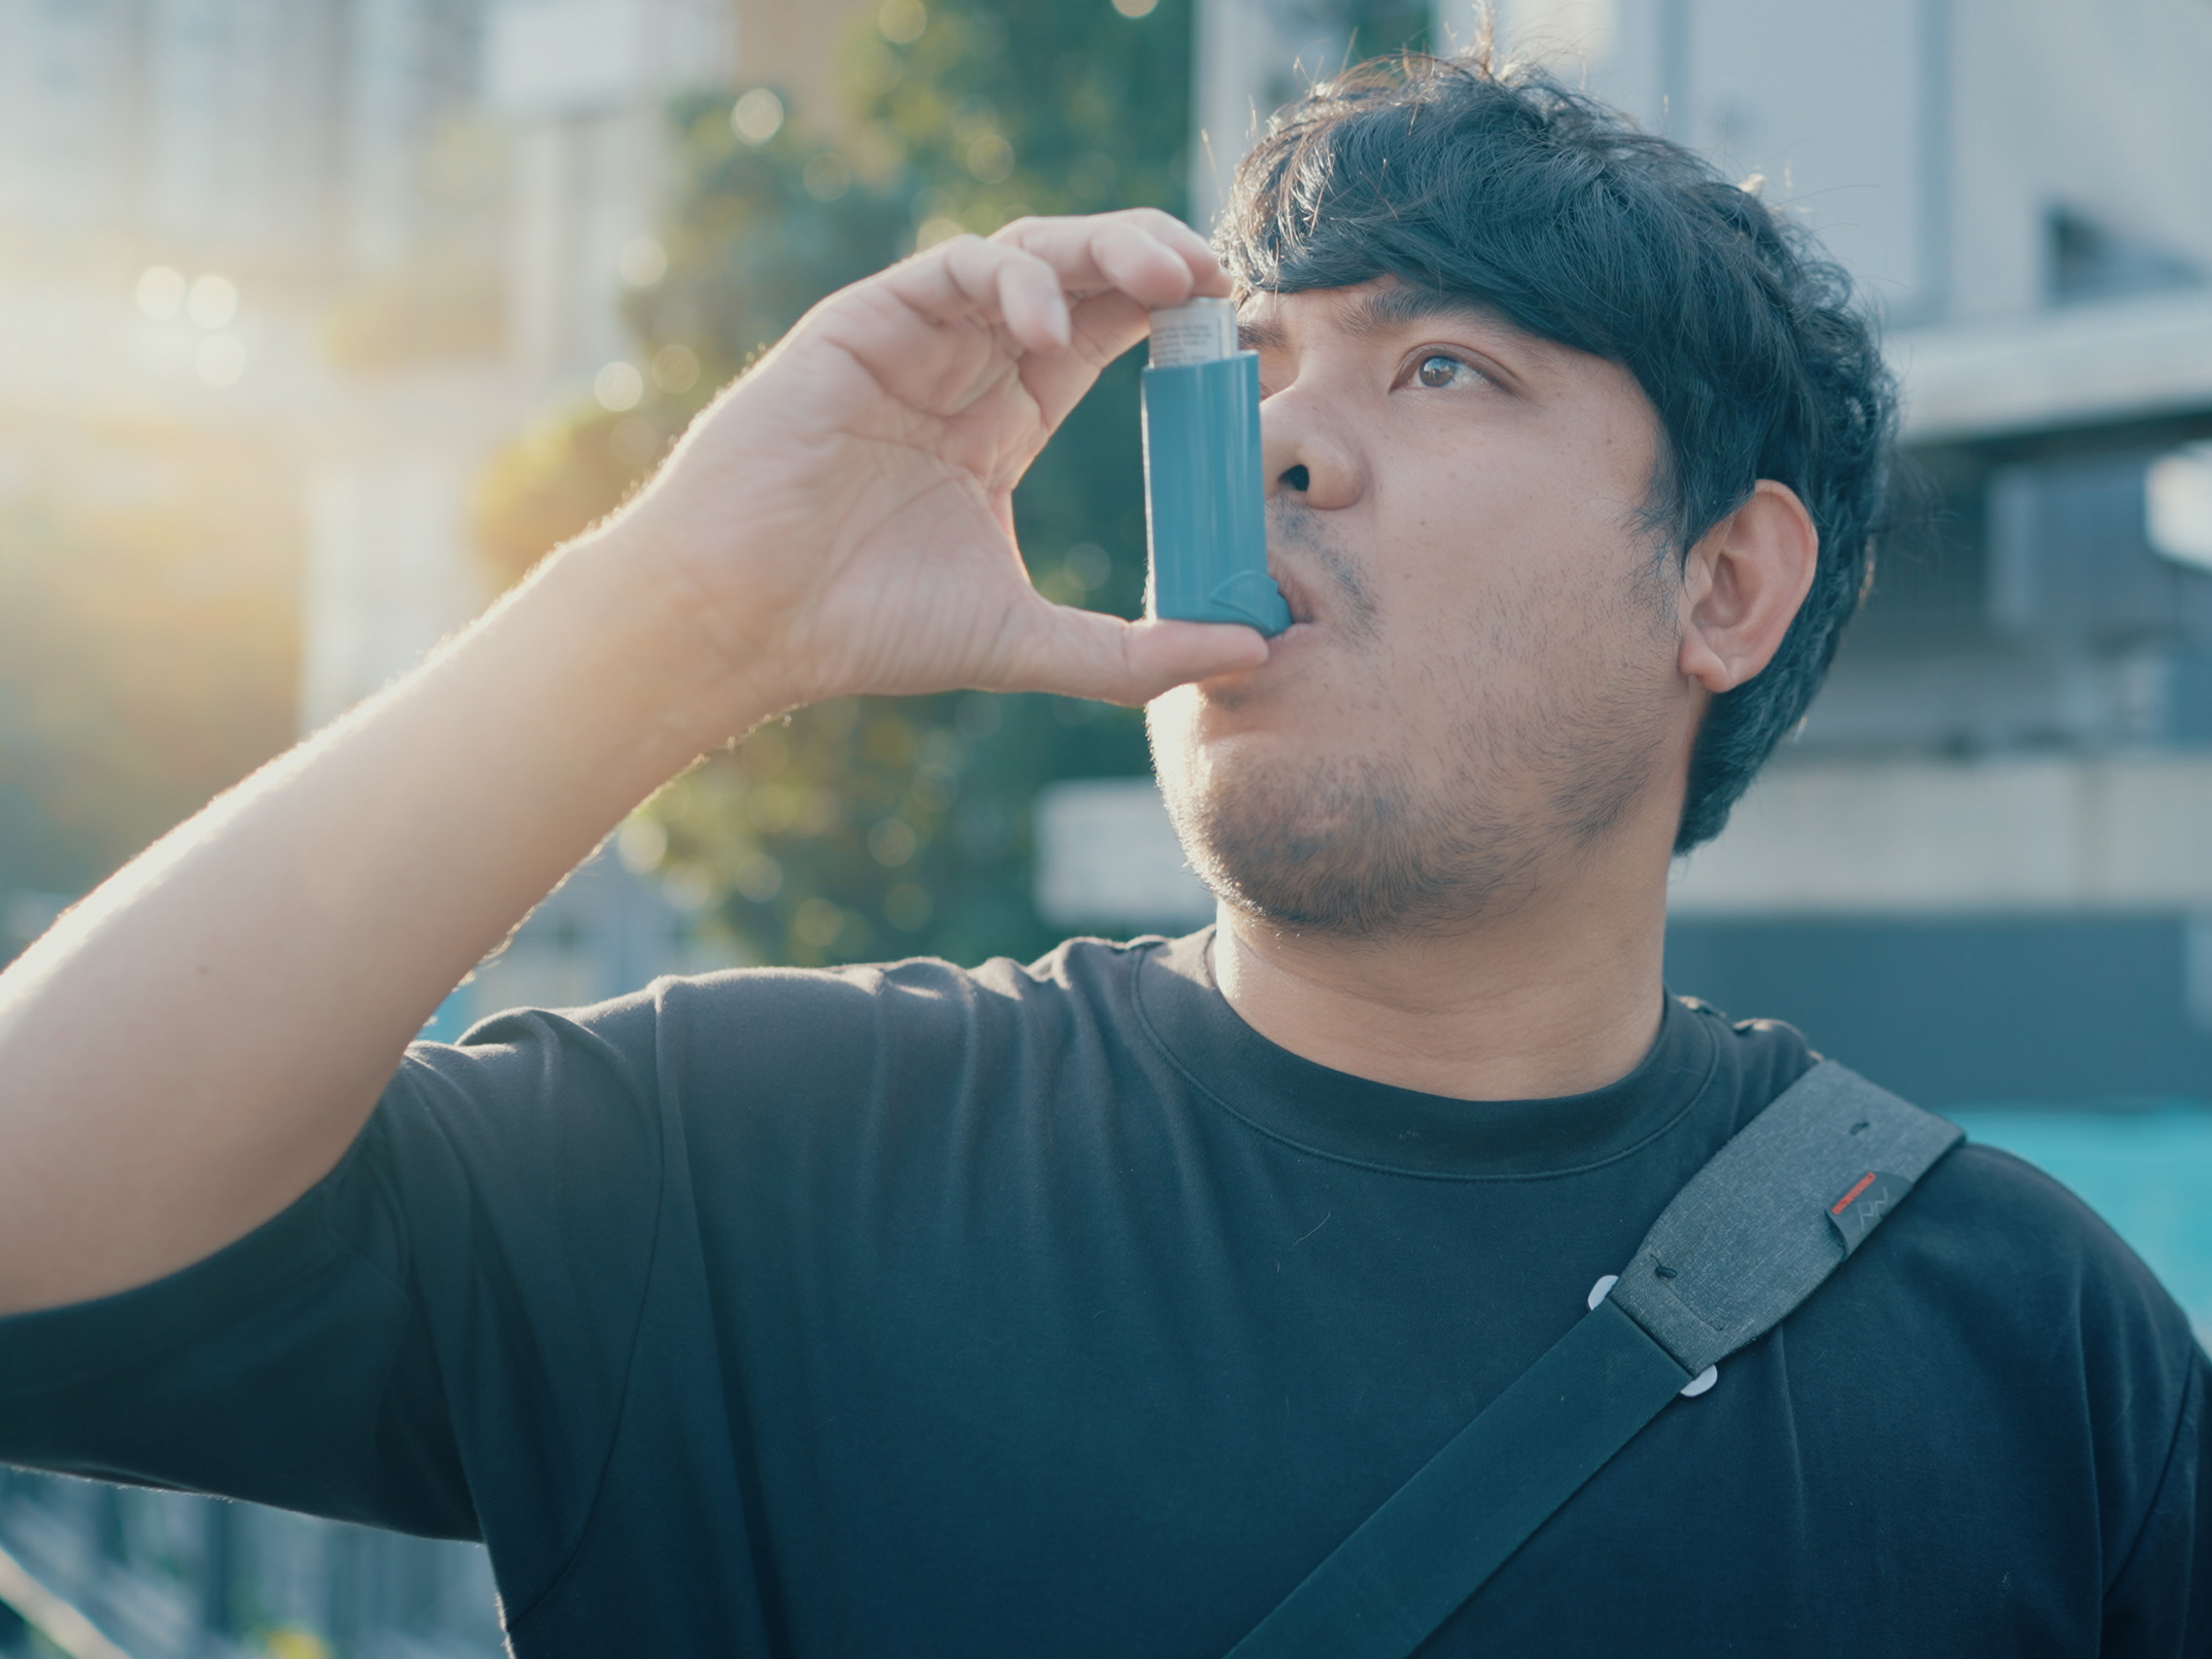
(1083, 653)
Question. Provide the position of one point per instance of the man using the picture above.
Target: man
(1081, 1308)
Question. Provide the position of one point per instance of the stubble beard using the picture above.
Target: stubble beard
(1347, 848)
(1373, 845)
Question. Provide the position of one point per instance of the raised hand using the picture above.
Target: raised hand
(843, 511)
(839, 521)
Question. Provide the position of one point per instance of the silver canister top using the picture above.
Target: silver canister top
(1205, 331)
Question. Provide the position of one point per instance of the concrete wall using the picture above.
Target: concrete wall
(1926, 140)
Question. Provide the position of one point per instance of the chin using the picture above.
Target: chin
(1333, 807)
(1347, 845)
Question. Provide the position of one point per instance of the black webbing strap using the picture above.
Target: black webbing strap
(1755, 1232)
(1386, 1588)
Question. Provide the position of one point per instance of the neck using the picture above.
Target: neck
(1561, 997)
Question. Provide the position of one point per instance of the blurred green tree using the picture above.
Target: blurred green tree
(866, 829)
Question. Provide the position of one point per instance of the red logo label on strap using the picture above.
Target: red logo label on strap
(1864, 1204)
(1844, 1203)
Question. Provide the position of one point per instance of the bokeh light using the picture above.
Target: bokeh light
(643, 263)
(902, 22)
(213, 303)
(756, 116)
(160, 293)
(675, 368)
(618, 386)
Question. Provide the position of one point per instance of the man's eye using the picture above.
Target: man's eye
(1440, 370)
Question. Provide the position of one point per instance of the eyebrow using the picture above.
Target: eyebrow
(1377, 311)
(1380, 310)
(1261, 334)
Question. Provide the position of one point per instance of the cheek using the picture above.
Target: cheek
(1535, 590)
(1498, 515)
(1170, 722)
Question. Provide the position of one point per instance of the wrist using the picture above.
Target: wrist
(643, 646)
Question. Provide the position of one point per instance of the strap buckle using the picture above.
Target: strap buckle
(1698, 1384)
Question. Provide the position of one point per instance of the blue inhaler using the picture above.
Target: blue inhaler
(1205, 484)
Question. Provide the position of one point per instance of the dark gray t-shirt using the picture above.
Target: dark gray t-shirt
(1052, 1311)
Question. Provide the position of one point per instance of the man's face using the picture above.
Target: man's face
(1480, 681)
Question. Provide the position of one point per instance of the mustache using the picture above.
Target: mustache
(1320, 577)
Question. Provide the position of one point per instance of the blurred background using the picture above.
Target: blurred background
(322, 320)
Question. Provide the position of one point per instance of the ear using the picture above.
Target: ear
(1742, 583)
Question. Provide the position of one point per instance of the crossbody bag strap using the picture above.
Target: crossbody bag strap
(1754, 1234)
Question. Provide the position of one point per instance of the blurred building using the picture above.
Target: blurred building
(1984, 870)
(370, 238)
(243, 130)
(582, 85)
(364, 242)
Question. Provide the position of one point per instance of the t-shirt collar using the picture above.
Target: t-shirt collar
(1356, 1119)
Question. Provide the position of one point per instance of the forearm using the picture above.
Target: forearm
(193, 1047)
(200, 1041)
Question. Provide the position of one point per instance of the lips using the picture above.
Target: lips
(1295, 593)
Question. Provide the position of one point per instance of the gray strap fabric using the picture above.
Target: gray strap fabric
(1754, 1233)
(1774, 1212)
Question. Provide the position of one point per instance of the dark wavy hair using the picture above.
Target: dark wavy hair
(1558, 213)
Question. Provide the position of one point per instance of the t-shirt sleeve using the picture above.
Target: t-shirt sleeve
(2159, 1606)
(443, 1323)
(2085, 1328)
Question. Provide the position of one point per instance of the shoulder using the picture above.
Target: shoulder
(2028, 1308)
(2045, 1285)
(2030, 1248)
(768, 1033)
(921, 988)
(847, 1021)
(1984, 1229)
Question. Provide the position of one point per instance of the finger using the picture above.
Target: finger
(1157, 258)
(1165, 226)
(1032, 305)
(1194, 249)
(1104, 327)
(1082, 654)
(968, 276)
(1193, 245)
(1142, 265)
(1106, 324)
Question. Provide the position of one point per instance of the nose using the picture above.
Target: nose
(1308, 459)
